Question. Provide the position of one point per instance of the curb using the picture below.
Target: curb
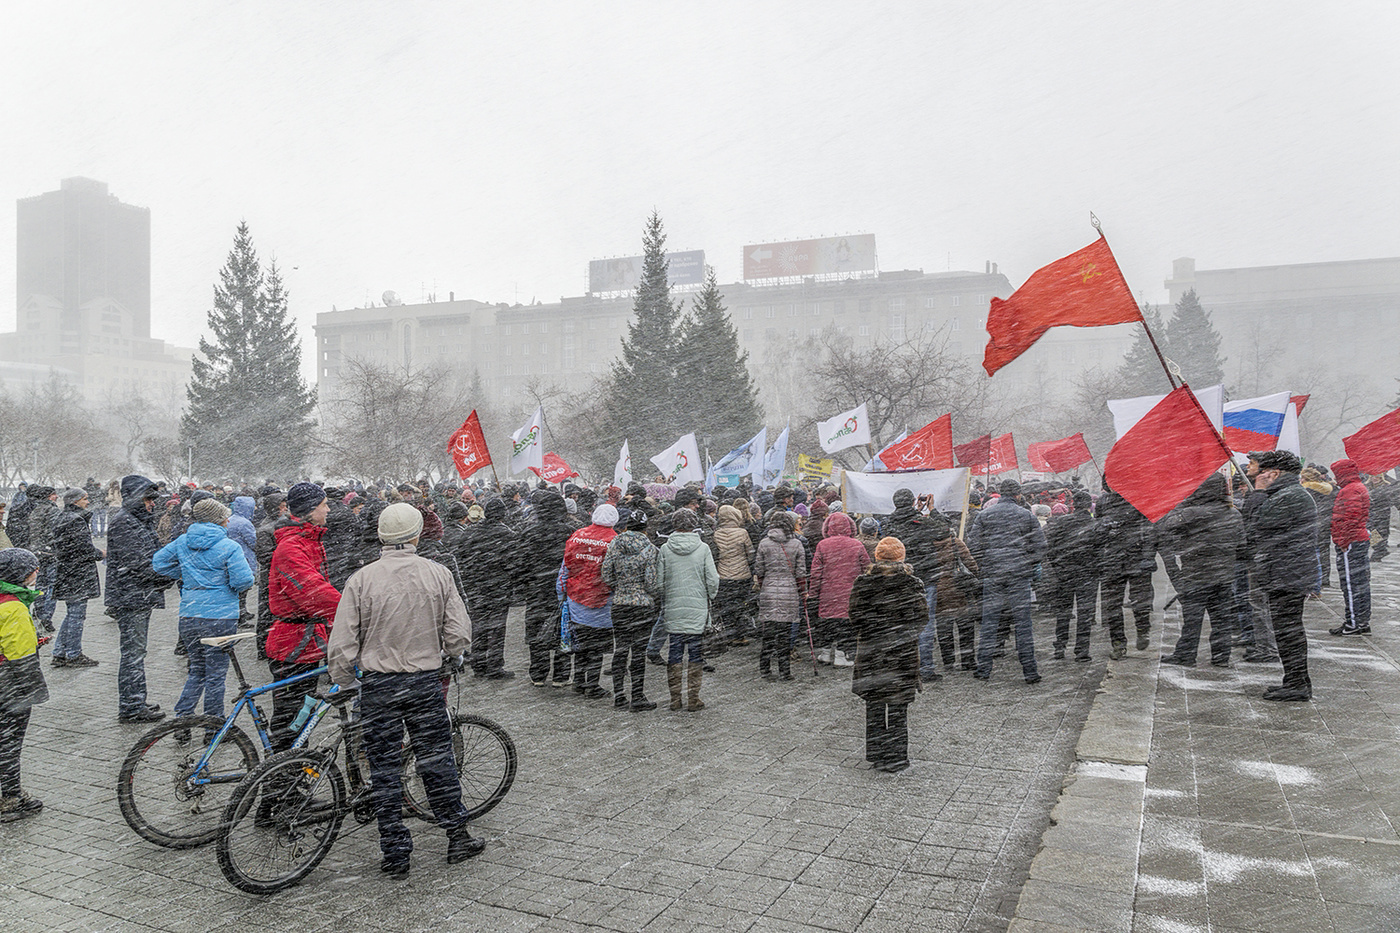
(1084, 877)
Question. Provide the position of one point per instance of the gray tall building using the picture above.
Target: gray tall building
(83, 297)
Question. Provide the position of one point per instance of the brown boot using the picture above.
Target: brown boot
(673, 679)
(696, 672)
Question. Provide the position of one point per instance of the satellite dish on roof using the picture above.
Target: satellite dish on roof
(392, 299)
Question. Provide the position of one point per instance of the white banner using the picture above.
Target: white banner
(527, 444)
(874, 492)
(1129, 411)
(680, 463)
(848, 429)
(622, 473)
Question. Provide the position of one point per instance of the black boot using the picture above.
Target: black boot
(461, 845)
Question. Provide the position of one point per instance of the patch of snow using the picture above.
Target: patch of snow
(1225, 868)
(1284, 774)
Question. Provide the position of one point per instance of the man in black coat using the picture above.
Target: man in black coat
(1286, 556)
(487, 548)
(1257, 634)
(274, 508)
(539, 551)
(1072, 545)
(919, 534)
(133, 590)
(41, 518)
(1204, 535)
(75, 576)
(1009, 545)
(1127, 554)
(342, 540)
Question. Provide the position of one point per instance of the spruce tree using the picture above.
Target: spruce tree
(1141, 372)
(642, 403)
(1194, 343)
(248, 411)
(714, 374)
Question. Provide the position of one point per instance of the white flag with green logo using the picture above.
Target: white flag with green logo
(527, 444)
(848, 429)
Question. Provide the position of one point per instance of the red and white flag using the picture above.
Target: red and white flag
(1165, 456)
(1059, 456)
(553, 469)
(929, 448)
(1000, 457)
(1084, 289)
(468, 447)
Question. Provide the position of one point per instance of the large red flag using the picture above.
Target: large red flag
(1059, 456)
(468, 447)
(1084, 289)
(974, 453)
(929, 448)
(553, 469)
(1376, 447)
(1001, 457)
(1165, 456)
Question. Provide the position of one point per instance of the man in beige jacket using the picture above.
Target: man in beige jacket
(398, 618)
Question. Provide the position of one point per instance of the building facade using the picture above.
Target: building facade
(83, 296)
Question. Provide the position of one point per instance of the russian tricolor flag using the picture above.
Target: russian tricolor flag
(1255, 423)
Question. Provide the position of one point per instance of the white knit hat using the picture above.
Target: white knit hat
(605, 515)
(400, 523)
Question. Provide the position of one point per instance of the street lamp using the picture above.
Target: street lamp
(35, 444)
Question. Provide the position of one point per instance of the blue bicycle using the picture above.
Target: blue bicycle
(172, 790)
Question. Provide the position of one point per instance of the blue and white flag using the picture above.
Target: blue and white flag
(876, 465)
(746, 460)
(776, 458)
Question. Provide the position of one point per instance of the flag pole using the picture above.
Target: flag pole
(1171, 380)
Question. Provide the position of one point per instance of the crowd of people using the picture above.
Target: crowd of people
(380, 579)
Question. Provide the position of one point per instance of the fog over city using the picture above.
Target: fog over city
(492, 150)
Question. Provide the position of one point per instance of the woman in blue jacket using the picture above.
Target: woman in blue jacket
(214, 574)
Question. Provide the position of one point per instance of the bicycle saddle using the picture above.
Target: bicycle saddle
(219, 641)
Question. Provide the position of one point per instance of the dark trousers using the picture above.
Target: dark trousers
(389, 704)
(836, 633)
(590, 644)
(1286, 614)
(1217, 600)
(1138, 589)
(542, 638)
(287, 701)
(134, 628)
(1077, 595)
(730, 601)
(489, 639)
(1354, 576)
(12, 729)
(775, 642)
(631, 629)
(957, 629)
(1013, 594)
(886, 732)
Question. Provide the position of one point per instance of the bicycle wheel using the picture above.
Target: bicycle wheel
(486, 763)
(281, 821)
(161, 794)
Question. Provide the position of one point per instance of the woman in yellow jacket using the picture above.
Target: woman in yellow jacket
(21, 679)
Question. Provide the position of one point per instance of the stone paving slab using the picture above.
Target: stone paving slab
(1245, 814)
(756, 814)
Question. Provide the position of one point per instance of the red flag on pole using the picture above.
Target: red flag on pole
(1165, 456)
(1300, 401)
(1376, 447)
(553, 469)
(929, 448)
(1059, 456)
(974, 453)
(1084, 289)
(468, 447)
(1001, 457)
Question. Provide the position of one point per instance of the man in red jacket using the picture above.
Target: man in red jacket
(1353, 541)
(302, 602)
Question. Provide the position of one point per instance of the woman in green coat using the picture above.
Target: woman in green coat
(688, 581)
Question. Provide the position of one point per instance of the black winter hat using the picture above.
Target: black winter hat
(16, 564)
(303, 497)
(903, 498)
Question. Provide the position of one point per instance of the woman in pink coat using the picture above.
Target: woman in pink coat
(839, 559)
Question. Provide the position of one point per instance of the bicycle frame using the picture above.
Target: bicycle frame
(247, 699)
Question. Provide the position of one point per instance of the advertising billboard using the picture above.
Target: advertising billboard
(623, 274)
(827, 256)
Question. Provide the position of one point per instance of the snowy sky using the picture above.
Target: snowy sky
(493, 148)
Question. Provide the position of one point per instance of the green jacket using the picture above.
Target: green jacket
(688, 581)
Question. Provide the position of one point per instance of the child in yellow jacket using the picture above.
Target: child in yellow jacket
(21, 679)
